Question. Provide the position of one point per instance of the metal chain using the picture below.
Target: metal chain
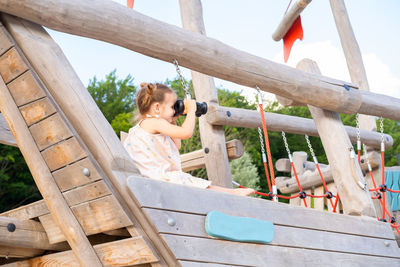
(285, 142)
(184, 86)
(365, 154)
(309, 146)
(261, 140)
(382, 137)
(358, 126)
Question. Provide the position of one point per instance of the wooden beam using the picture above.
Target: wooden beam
(277, 122)
(26, 234)
(200, 53)
(346, 171)
(12, 252)
(195, 160)
(81, 111)
(352, 54)
(289, 18)
(45, 182)
(283, 165)
(212, 136)
(127, 252)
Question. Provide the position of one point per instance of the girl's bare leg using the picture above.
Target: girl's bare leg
(233, 191)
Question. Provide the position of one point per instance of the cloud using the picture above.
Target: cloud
(332, 63)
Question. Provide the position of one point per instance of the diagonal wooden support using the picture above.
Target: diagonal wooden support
(345, 170)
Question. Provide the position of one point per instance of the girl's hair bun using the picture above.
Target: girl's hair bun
(149, 87)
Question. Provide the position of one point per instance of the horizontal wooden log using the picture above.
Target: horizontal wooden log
(27, 234)
(12, 252)
(195, 160)
(289, 18)
(127, 252)
(199, 53)
(312, 179)
(277, 122)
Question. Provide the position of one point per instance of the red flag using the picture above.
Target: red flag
(295, 32)
(129, 3)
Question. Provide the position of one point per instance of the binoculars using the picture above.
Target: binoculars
(179, 107)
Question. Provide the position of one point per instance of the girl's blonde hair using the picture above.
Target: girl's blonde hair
(148, 94)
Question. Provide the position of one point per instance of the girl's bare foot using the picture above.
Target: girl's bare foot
(243, 191)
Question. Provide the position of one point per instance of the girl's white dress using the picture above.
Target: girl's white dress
(157, 157)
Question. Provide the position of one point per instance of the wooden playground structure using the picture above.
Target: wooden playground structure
(98, 211)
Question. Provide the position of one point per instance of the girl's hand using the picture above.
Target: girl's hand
(190, 106)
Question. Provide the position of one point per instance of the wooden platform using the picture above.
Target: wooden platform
(303, 237)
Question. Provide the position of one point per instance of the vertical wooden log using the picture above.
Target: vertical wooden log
(299, 158)
(353, 55)
(319, 202)
(345, 170)
(212, 137)
(44, 180)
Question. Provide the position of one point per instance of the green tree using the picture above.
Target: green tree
(113, 96)
(17, 186)
(245, 172)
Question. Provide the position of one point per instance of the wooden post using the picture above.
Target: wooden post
(353, 56)
(289, 18)
(345, 170)
(44, 180)
(200, 53)
(212, 136)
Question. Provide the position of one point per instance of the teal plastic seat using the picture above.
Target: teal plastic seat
(241, 229)
(392, 180)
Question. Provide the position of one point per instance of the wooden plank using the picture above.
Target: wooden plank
(286, 236)
(196, 52)
(37, 111)
(278, 122)
(346, 171)
(49, 131)
(186, 199)
(89, 192)
(45, 182)
(127, 252)
(6, 136)
(203, 264)
(73, 175)
(95, 216)
(11, 65)
(30, 211)
(63, 153)
(226, 252)
(212, 136)
(25, 89)
(5, 40)
(11, 252)
(195, 160)
(27, 234)
(288, 19)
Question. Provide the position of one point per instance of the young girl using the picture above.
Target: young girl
(155, 141)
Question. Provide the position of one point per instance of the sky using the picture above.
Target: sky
(248, 26)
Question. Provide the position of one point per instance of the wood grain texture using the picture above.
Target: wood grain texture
(11, 65)
(50, 131)
(37, 111)
(63, 153)
(186, 200)
(128, 252)
(5, 40)
(72, 175)
(195, 51)
(25, 89)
